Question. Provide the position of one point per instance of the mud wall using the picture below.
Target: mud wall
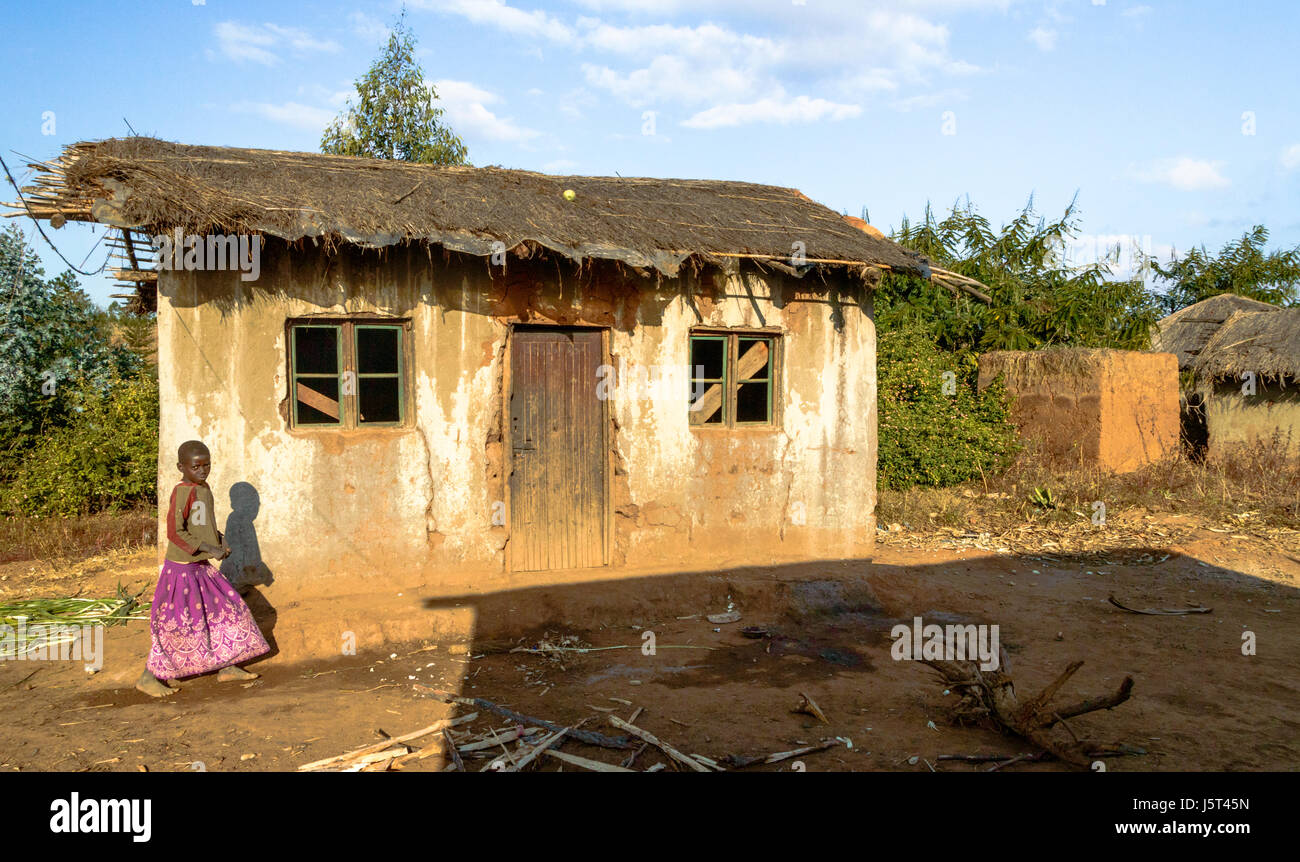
(1233, 419)
(332, 511)
(1115, 409)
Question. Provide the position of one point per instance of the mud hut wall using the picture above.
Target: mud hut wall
(1234, 419)
(1139, 409)
(1110, 408)
(1058, 409)
(415, 504)
(803, 488)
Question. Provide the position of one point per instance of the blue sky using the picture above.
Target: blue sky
(1175, 122)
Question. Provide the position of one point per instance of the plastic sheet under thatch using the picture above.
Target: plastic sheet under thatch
(1186, 332)
(155, 186)
(1264, 342)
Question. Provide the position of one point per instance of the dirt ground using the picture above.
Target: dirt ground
(1198, 702)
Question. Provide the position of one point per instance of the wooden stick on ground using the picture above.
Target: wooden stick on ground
(658, 743)
(593, 765)
(380, 746)
(590, 737)
(537, 750)
(451, 750)
(1161, 612)
(736, 761)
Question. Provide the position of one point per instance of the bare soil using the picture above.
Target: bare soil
(1198, 702)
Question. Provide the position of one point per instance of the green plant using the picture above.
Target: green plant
(1043, 499)
(104, 458)
(935, 428)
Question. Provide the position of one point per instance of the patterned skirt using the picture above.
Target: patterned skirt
(199, 622)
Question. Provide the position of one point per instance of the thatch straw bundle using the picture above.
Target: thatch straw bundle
(1264, 342)
(1186, 332)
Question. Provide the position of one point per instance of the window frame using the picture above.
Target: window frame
(731, 385)
(346, 344)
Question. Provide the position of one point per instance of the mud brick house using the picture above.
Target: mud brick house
(1116, 409)
(461, 376)
(1248, 378)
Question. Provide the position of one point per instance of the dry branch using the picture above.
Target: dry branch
(990, 696)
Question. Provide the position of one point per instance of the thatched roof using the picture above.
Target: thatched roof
(154, 186)
(1265, 342)
(1185, 332)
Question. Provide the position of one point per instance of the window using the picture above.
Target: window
(732, 378)
(347, 374)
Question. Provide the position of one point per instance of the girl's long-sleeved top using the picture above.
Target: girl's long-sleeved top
(191, 521)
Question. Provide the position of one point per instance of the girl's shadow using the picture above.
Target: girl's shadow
(245, 568)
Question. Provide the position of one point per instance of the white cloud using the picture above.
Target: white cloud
(266, 44)
(670, 78)
(497, 14)
(467, 113)
(288, 113)
(1043, 37)
(368, 28)
(1291, 157)
(1184, 173)
(845, 49)
(773, 109)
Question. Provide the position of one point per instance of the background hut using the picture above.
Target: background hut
(1185, 334)
(1248, 375)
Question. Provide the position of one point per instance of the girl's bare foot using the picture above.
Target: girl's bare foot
(234, 674)
(152, 686)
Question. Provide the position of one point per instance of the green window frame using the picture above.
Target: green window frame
(368, 374)
(744, 390)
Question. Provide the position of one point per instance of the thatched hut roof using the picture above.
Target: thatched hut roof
(1265, 342)
(155, 186)
(1186, 332)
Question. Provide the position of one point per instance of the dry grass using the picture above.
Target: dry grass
(62, 539)
(1255, 487)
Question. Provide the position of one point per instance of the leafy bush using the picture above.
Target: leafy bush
(104, 458)
(50, 335)
(927, 436)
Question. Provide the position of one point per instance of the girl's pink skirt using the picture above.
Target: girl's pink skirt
(199, 622)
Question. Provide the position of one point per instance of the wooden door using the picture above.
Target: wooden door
(559, 456)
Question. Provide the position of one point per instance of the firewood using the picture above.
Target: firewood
(590, 737)
(990, 696)
(658, 743)
(380, 746)
(593, 765)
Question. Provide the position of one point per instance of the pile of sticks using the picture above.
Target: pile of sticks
(526, 741)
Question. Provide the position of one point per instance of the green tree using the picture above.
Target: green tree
(1241, 267)
(1038, 300)
(50, 334)
(393, 116)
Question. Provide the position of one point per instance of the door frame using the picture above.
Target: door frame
(507, 445)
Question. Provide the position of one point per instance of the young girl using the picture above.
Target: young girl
(198, 621)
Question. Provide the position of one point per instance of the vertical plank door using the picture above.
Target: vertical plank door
(558, 452)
